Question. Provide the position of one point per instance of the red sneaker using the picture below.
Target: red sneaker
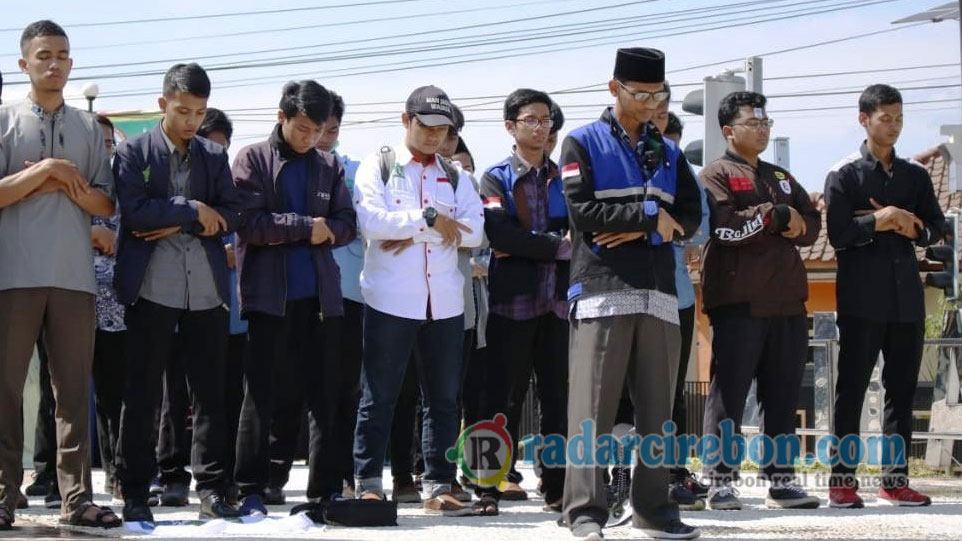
(844, 498)
(903, 496)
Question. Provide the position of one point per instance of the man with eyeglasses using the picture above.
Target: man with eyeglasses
(754, 290)
(526, 220)
(629, 197)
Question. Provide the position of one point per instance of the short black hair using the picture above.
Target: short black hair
(104, 121)
(307, 97)
(674, 125)
(557, 118)
(337, 106)
(458, 119)
(521, 97)
(876, 96)
(44, 27)
(463, 149)
(187, 78)
(728, 108)
(216, 120)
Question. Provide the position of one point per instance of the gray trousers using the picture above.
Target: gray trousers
(68, 320)
(605, 353)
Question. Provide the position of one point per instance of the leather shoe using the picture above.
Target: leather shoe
(214, 506)
(137, 511)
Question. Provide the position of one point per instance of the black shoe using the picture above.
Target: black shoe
(274, 496)
(214, 506)
(405, 491)
(175, 495)
(789, 495)
(686, 499)
(39, 487)
(22, 502)
(52, 500)
(699, 489)
(675, 529)
(137, 511)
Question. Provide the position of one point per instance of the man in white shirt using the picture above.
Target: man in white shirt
(415, 209)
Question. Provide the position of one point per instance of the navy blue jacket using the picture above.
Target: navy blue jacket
(142, 174)
(268, 229)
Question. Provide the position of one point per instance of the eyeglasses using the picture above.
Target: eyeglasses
(661, 95)
(756, 124)
(534, 122)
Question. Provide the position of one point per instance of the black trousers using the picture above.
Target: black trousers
(770, 350)
(285, 433)
(293, 360)
(516, 350)
(109, 372)
(860, 341)
(472, 382)
(173, 442)
(233, 399)
(150, 328)
(45, 432)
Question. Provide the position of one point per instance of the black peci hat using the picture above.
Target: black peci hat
(640, 64)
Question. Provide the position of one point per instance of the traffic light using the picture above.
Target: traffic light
(704, 102)
(948, 254)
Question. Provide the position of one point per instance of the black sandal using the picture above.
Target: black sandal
(7, 519)
(487, 506)
(77, 517)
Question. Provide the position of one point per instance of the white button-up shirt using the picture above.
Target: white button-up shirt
(403, 285)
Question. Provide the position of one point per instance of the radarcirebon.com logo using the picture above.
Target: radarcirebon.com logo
(483, 452)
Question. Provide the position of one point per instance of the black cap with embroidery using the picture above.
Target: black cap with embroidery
(640, 64)
(431, 106)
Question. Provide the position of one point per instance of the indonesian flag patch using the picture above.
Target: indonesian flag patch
(570, 170)
(492, 203)
(740, 184)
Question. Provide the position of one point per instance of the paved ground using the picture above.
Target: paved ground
(525, 521)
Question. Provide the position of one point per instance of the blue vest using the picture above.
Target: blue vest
(557, 207)
(617, 171)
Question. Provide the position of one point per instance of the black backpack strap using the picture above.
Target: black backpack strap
(387, 163)
(451, 171)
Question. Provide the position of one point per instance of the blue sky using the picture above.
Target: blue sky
(527, 28)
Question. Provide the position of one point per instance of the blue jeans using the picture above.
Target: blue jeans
(388, 343)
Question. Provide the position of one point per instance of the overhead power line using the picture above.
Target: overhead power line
(223, 15)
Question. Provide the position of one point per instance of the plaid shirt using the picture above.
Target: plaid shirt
(534, 188)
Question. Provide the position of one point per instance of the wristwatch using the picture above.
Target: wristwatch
(430, 214)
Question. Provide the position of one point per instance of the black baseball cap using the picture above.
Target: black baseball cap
(431, 106)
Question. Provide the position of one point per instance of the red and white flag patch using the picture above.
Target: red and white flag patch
(570, 170)
(492, 203)
(740, 184)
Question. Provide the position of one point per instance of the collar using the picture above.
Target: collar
(403, 156)
(729, 155)
(56, 116)
(521, 167)
(619, 131)
(171, 147)
(870, 159)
